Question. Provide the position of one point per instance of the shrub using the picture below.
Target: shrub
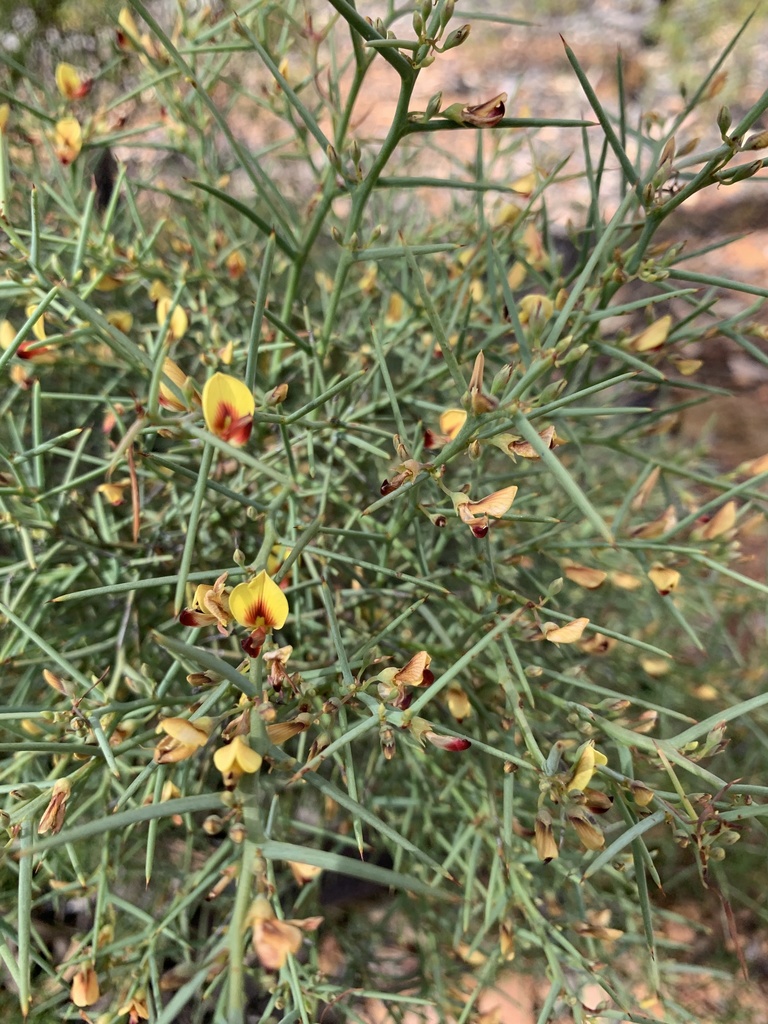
(248, 685)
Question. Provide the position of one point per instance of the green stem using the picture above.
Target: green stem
(191, 539)
(360, 198)
(237, 926)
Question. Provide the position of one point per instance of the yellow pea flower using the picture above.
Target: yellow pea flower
(259, 603)
(228, 408)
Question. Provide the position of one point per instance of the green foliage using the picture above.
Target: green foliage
(431, 716)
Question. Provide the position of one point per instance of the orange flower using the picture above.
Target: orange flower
(259, 603)
(68, 140)
(228, 408)
(274, 940)
(210, 605)
(183, 739)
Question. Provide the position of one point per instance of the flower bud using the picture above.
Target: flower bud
(387, 739)
(741, 173)
(433, 107)
(237, 833)
(723, 120)
(213, 825)
(278, 394)
(456, 38)
(759, 141)
(447, 12)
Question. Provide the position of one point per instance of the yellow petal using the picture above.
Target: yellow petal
(104, 282)
(656, 527)
(645, 489)
(598, 644)
(38, 328)
(589, 834)
(516, 275)
(127, 27)
(68, 139)
(451, 421)
(282, 731)
(177, 327)
(526, 450)
(536, 308)
(113, 493)
(687, 367)
(158, 290)
(665, 580)
(413, 672)
(247, 758)
(525, 185)
(755, 466)
(655, 667)
(191, 734)
(584, 576)
(69, 81)
(496, 504)
(626, 580)
(544, 839)
(589, 758)
(567, 634)
(260, 602)
(168, 397)
(302, 872)
(5, 110)
(274, 940)
(721, 522)
(85, 987)
(121, 319)
(652, 337)
(7, 334)
(237, 756)
(394, 312)
(228, 407)
(458, 703)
